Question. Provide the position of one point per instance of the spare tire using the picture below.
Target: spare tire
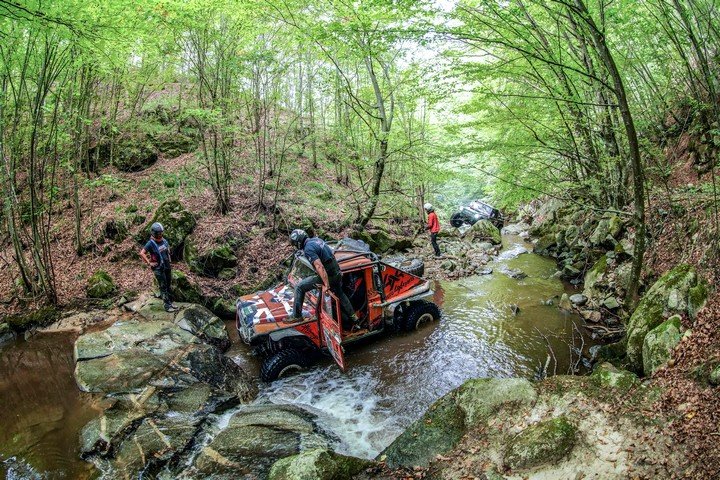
(414, 266)
(457, 219)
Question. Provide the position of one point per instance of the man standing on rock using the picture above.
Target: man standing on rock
(156, 254)
(328, 274)
(434, 226)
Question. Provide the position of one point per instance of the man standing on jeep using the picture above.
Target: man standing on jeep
(328, 274)
(156, 254)
(434, 226)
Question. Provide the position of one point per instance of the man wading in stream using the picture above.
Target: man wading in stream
(434, 226)
(156, 254)
(328, 274)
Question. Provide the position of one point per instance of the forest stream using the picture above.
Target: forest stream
(492, 326)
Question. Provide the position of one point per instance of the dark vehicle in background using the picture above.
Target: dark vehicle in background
(476, 211)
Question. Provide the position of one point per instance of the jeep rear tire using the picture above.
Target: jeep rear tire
(420, 314)
(457, 219)
(282, 364)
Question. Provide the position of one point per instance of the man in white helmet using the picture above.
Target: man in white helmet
(434, 226)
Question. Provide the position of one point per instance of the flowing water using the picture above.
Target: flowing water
(389, 383)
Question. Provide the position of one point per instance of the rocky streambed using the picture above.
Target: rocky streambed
(165, 398)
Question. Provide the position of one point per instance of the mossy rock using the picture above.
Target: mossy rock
(134, 153)
(545, 245)
(607, 231)
(544, 442)
(448, 419)
(185, 290)
(668, 295)
(659, 344)
(697, 297)
(484, 231)
(211, 262)
(173, 144)
(606, 375)
(378, 240)
(36, 318)
(317, 464)
(100, 285)
(177, 221)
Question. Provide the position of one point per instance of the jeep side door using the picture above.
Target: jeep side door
(330, 325)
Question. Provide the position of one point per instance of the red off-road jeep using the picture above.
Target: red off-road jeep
(384, 296)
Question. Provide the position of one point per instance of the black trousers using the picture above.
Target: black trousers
(433, 241)
(164, 277)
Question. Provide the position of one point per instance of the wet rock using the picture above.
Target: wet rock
(659, 344)
(515, 228)
(100, 285)
(6, 333)
(318, 464)
(565, 303)
(591, 315)
(22, 322)
(484, 230)
(545, 442)
(256, 436)
(578, 299)
(131, 355)
(514, 309)
(201, 322)
(607, 375)
(154, 443)
(672, 288)
(446, 421)
(177, 221)
(515, 273)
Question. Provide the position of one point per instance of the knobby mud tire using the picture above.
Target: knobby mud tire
(457, 220)
(420, 314)
(283, 363)
(414, 266)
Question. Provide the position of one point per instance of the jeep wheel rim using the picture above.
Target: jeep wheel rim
(424, 319)
(294, 368)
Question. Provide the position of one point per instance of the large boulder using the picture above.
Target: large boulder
(547, 441)
(210, 262)
(184, 289)
(317, 464)
(378, 240)
(484, 231)
(201, 322)
(607, 231)
(668, 296)
(176, 220)
(132, 355)
(659, 344)
(173, 144)
(448, 419)
(133, 153)
(606, 375)
(255, 437)
(100, 285)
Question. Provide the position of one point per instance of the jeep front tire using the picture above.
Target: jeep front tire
(420, 314)
(282, 364)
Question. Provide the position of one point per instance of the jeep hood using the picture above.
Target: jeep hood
(268, 307)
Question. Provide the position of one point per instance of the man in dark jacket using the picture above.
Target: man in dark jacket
(434, 226)
(328, 274)
(156, 254)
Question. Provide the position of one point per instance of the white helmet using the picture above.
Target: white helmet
(428, 207)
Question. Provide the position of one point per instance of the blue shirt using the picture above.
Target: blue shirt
(315, 249)
(159, 252)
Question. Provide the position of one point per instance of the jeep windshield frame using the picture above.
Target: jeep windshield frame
(300, 269)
